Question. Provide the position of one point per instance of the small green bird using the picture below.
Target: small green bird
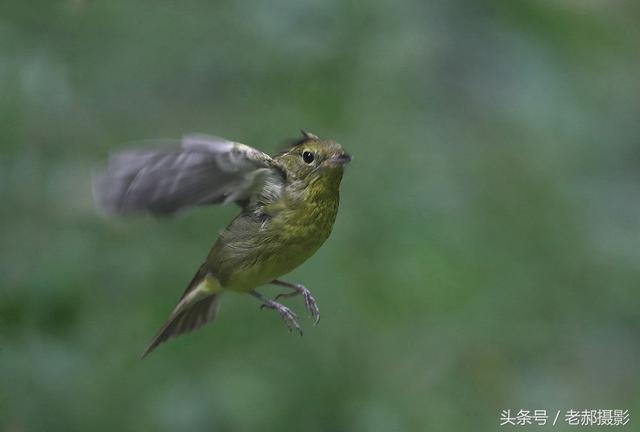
(289, 203)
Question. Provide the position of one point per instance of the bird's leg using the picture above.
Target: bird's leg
(309, 302)
(287, 315)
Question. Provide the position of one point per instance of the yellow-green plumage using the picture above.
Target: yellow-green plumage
(289, 205)
(261, 245)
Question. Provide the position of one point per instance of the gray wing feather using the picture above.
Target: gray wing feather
(204, 170)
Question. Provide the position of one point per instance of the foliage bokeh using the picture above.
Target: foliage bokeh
(486, 252)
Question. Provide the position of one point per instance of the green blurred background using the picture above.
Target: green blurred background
(485, 257)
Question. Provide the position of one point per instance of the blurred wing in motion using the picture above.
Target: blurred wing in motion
(204, 170)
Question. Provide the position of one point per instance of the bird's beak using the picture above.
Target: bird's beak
(342, 159)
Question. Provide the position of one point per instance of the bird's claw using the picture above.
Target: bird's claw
(311, 305)
(309, 301)
(288, 316)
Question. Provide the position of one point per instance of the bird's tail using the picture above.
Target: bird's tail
(197, 306)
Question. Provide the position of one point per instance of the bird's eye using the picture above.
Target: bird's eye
(307, 156)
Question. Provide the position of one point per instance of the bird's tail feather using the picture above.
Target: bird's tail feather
(197, 306)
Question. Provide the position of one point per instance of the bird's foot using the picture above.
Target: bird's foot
(311, 305)
(309, 301)
(288, 316)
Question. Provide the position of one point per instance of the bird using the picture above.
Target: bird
(288, 205)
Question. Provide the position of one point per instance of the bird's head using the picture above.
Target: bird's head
(311, 158)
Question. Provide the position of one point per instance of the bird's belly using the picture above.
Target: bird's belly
(272, 263)
(251, 256)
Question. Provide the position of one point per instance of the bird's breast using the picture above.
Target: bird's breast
(256, 251)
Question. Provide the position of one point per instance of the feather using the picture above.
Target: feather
(204, 170)
(186, 321)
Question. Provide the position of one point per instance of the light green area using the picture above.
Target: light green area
(486, 254)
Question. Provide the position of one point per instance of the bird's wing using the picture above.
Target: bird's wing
(203, 170)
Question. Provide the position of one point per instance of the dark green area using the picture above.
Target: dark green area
(487, 251)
